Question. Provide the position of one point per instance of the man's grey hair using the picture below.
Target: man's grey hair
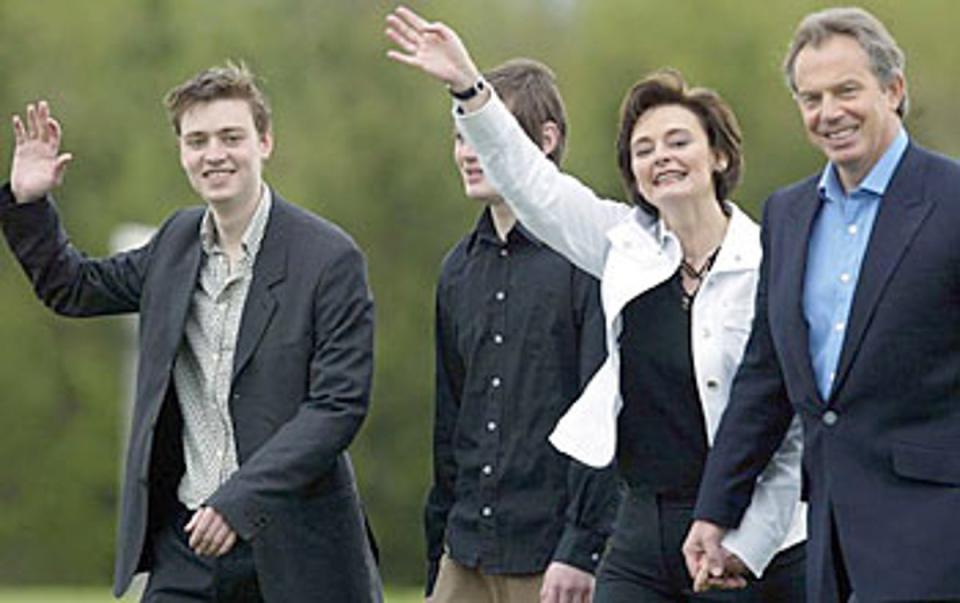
(887, 61)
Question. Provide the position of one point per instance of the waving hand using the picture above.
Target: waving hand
(38, 166)
(434, 48)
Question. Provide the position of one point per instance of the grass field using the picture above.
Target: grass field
(102, 595)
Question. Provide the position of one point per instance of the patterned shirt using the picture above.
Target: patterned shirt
(203, 370)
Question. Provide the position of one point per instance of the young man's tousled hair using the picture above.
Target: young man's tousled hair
(529, 89)
(229, 81)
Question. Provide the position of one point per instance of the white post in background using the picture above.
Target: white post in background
(124, 238)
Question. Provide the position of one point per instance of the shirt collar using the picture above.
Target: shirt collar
(877, 179)
(252, 236)
(660, 231)
(485, 231)
(653, 224)
(740, 249)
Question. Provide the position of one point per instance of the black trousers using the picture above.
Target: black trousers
(644, 562)
(179, 575)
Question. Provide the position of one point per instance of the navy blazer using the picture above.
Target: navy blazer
(300, 388)
(882, 453)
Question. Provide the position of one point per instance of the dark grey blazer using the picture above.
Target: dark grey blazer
(300, 388)
(882, 452)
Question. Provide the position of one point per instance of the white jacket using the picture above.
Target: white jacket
(632, 252)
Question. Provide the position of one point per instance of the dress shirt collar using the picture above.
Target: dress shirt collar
(252, 236)
(486, 232)
(876, 181)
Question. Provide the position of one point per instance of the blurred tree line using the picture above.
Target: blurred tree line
(367, 144)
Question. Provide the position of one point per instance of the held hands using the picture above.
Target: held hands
(564, 583)
(210, 534)
(38, 166)
(709, 564)
(434, 48)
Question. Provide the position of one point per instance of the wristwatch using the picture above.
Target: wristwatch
(465, 95)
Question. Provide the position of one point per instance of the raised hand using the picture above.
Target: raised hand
(434, 48)
(38, 166)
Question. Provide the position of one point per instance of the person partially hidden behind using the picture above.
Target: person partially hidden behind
(256, 327)
(519, 330)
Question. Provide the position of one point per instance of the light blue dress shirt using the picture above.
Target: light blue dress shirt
(838, 242)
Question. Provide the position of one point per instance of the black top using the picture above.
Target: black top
(519, 331)
(662, 443)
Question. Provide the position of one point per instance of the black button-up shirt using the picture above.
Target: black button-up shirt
(519, 332)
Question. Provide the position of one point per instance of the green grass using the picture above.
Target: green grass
(102, 595)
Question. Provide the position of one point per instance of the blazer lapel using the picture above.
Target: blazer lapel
(269, 269)
(803, 210)
(185, 261)
(902, 211)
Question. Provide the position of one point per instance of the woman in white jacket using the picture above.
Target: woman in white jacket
(678, 275)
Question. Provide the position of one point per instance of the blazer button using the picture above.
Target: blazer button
(829, 418)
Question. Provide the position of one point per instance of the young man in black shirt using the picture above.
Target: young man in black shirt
(519, 331)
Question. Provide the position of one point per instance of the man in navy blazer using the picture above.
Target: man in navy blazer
(256, 328)
(857, 330)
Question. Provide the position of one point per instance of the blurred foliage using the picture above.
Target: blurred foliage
(366, 143)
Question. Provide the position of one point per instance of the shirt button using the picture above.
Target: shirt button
(495, 382)
(839, 326)
(497, 338)
(501, 295)
(487, 470)
(595, 557)
(503, 252)
(706, 333)
(491, 426)
(712, 384)
(852, 229)
(845, 277)
(486, 511)
(830, 418)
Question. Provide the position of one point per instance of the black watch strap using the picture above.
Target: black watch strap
(465, 95)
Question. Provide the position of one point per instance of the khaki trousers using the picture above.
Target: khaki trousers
(457, 583)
